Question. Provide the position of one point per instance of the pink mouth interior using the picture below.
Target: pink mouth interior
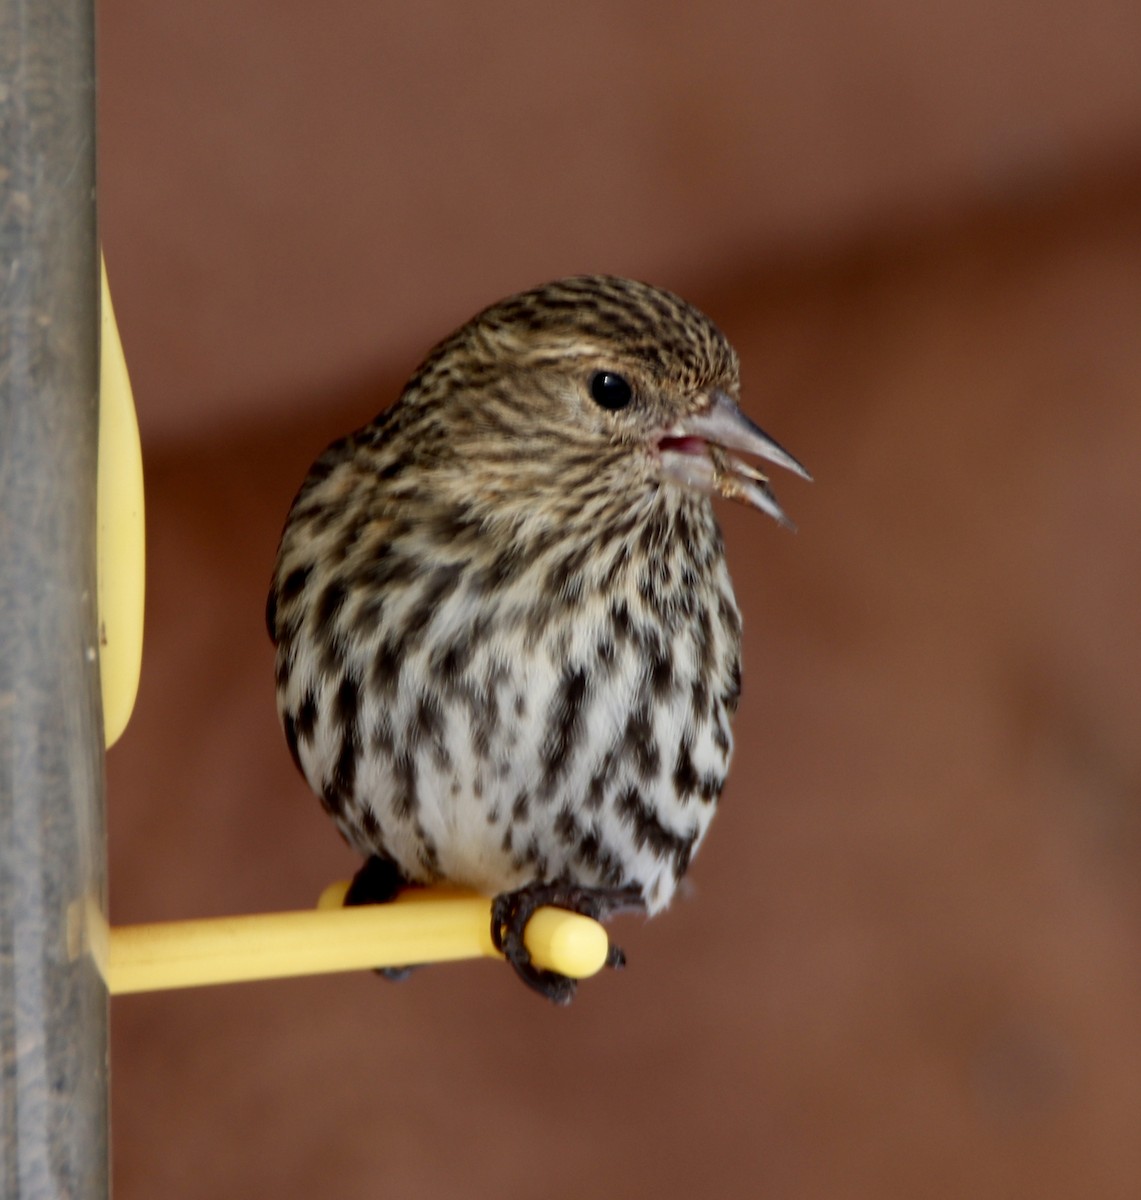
(682, 445)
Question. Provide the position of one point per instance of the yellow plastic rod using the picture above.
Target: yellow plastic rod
(425, 925)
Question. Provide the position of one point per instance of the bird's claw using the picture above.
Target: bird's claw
(510, 912)
(377, 882)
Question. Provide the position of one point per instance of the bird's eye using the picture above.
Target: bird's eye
(610, 391)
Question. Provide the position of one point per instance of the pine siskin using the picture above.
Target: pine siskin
(508, 649)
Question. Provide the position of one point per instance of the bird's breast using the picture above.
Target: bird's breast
(490, 723)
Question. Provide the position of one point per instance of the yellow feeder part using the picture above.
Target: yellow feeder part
(421, 926)
(120, 547)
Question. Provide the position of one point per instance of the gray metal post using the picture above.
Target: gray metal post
(53, 1005)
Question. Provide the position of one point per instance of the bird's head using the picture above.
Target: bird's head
(596, 381)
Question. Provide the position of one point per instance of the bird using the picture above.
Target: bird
(508, 650)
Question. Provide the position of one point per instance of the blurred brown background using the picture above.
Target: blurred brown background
(910, 961)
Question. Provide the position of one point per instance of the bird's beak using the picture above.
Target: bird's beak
(695, 452)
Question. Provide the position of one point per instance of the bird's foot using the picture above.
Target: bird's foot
(510, 912)
(378, 882)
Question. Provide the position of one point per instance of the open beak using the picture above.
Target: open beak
(695, 452)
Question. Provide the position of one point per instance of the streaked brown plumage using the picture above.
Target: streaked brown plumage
(508, 650)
